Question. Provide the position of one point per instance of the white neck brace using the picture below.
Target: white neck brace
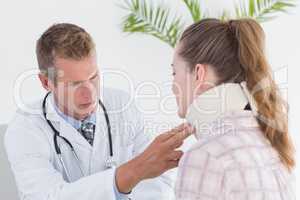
(218, 100)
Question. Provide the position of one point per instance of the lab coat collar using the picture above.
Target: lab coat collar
(66, 130)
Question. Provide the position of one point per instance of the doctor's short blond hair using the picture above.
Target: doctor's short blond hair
(63, 40)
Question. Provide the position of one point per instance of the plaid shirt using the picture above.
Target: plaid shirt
(232, 160)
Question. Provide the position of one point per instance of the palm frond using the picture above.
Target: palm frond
(155, 20)
(152, 20)
(263, 10)
(195, 9)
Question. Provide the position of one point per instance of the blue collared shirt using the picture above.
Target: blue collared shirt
(74, 122)
(77, 124)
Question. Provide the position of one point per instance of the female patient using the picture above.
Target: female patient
(223, 87)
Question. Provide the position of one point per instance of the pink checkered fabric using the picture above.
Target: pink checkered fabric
(233, 161)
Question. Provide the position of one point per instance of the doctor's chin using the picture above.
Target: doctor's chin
(149, 100)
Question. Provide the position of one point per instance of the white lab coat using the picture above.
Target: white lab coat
(39, 174)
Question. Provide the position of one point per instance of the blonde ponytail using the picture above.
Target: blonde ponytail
(271, 108)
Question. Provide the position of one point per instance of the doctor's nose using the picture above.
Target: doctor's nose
(87, 90)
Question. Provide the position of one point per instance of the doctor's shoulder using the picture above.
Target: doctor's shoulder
(26, 130)
(31, 111)
(27, 116)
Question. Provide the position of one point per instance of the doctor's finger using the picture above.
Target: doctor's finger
(165, 136)
(179, 128)
(175, 155)
(172, 164)
(178, 138)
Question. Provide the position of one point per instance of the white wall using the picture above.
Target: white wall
(141, 57)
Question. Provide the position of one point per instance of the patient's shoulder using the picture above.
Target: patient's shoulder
(244, 148)
(199, 174)
(199, 159)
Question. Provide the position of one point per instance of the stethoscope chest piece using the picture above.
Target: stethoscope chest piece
(110, 162)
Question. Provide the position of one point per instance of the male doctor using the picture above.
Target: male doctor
(79, 146)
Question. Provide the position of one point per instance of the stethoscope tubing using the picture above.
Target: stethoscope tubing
(57, 135)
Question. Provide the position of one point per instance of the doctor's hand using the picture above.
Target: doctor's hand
(160, 156)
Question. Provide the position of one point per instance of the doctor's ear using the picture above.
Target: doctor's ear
(46, 83)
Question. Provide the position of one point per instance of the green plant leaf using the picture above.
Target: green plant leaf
(155, 20)
(195, 9)
(263, 10)
(152, 20)
(252, 8)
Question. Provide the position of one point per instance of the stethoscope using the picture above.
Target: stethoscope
(110, 161)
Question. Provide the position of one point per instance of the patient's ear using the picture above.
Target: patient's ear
(200, 73)
(45, 82)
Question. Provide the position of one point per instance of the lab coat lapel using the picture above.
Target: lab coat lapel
(101, 127)
(101, 145)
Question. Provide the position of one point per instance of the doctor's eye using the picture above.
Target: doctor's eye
(94, 77)
(74, 84)
(173, 73)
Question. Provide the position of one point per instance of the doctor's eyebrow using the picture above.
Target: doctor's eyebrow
(94, 75)
(91, 78)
